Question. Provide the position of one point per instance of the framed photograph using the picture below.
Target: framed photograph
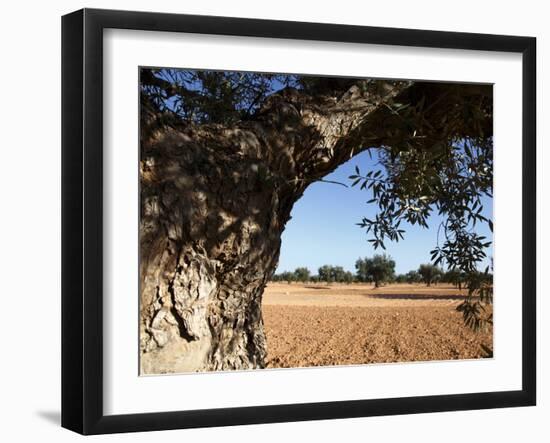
(269, 221)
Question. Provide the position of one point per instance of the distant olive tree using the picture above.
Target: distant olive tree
(325, 273)
(330, 273)
(401, 278)
(302, 274)
(288, 276)
(348, 277)
(361, 270)
(338, 274)
(378, 269)
(413, 277)
(429, 273)
(455, 277)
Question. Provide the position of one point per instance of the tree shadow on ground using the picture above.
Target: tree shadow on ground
(417, 296)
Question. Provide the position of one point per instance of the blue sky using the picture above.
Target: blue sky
(323, 230)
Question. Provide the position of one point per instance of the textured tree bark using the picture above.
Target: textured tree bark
(214, 203)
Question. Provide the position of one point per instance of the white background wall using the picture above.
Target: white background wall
(30, 218)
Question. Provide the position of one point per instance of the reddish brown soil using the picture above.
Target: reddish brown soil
(318, 325)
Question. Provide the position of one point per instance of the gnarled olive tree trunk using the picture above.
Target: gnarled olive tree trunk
(214, 203)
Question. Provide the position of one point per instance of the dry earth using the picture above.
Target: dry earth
(319, 324)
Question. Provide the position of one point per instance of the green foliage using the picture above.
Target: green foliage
(348, 277)
(455, 277)
(302, 274)
(480, 294)
(429, 273)
(415, 184)
(361, 271)
(208, 96)
(435, 157)
(284, 277)
(224, 97)
(413, 277)
(378, 269)
(401, 278)
(329, 274)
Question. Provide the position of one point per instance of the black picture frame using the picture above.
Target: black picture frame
(82, 215)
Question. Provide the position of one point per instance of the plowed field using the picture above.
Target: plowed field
(318, 325)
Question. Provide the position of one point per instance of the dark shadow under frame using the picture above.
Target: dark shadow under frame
(82, 220)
